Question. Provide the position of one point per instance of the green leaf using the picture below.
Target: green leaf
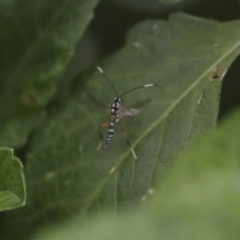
(200, 199)
(36, 42)
(188, 57)
(214, 157)
(12, 183)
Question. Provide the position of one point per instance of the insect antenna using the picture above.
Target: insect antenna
(113, 88)
(146, 85)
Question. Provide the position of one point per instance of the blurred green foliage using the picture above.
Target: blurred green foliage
(48, 58)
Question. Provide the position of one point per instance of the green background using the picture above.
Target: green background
(49, 51)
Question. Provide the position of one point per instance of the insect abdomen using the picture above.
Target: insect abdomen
(110, 133)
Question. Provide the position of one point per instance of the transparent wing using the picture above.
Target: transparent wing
(123, 112)
(133, 109)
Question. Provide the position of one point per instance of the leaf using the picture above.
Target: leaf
(36, 42)
(12, 183)
(203, 193)
(200, 199)
(188, 57)
(213, 157)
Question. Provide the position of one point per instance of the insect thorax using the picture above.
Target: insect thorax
(114, 108)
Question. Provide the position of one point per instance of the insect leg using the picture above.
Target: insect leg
(128, 143)
(103, 125)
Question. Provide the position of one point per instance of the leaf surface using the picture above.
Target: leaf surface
(200, 199)
(12, 182)
(188, 58)
(36, 42)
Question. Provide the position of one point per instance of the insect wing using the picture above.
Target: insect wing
(123, 112)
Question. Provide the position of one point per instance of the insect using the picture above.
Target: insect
(116, 113)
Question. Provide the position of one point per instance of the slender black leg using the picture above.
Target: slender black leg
(128, 143)
(100, 135)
